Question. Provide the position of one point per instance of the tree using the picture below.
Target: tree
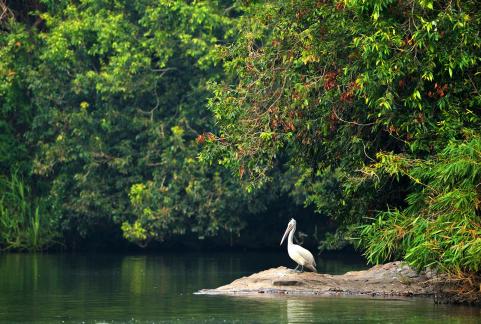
(347, 88)
(119, 95)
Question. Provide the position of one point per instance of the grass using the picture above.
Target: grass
(24, 220)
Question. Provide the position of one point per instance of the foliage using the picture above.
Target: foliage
(15, 114)
(292, 94)
(26, 220)
(367, 110)
(437, 80)
(25, 223)
(120, 95)
(329, 86)
(103, 107)
(185, 196)
(440, 227)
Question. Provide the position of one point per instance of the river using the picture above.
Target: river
(158, 288)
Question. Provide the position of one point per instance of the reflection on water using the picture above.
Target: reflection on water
(299, 310)
(158, 288)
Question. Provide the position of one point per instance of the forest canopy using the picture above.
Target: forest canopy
(154, 120)
(377, 104)
(104, 112)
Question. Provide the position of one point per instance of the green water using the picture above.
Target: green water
(75, 288)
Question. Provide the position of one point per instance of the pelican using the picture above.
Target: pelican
(296, 252)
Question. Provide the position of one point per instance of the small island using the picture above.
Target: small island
(390, 279)
(393, 279)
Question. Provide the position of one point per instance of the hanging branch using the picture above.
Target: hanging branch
(5, 12)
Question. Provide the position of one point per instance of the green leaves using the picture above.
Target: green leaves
(331, 88)
(107, 100)
(440, 226)
(26, 223)
(116, 96)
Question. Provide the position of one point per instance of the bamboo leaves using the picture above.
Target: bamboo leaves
(440, 226)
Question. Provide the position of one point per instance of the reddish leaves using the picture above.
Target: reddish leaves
(348, 95)
(420, 118)
(301, 14)
(439, 91)
(330, 80)
(340, 5)
(200, 139)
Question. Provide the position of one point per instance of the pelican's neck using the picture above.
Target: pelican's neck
(290, 239)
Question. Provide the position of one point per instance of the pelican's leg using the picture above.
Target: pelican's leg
(296, 268)
(302, 268)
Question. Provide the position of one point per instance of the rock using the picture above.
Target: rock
(287, 283)
(390, 279)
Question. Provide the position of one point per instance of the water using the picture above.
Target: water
(74, 288)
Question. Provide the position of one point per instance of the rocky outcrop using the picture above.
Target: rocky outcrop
(391, 279)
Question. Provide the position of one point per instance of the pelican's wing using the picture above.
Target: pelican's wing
(306, 255)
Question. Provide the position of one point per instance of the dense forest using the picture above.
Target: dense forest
(103, 116)
(165, 121)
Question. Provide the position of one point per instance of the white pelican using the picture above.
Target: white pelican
(297, 253)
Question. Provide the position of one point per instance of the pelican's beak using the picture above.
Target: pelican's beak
(288, 229)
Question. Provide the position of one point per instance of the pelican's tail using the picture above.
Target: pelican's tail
(311, 267)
